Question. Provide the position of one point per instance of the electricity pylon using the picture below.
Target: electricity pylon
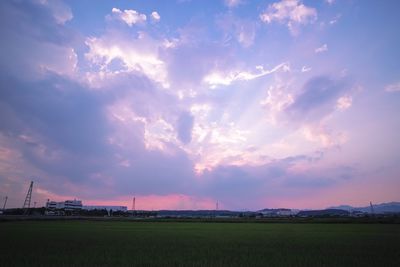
(27, 202)
(5, 202)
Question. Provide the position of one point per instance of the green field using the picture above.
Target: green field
(91, 243)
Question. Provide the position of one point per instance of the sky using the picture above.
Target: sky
(185, 103)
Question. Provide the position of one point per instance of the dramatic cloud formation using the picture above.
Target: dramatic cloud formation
(119, 52)
(102, 103)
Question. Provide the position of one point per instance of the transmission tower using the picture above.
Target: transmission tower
(372, 207)
(27, 202)
(5, 202)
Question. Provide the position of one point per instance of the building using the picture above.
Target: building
(277, 212)
(65, 205)
(77, 205)
(108, 208)
(324, 213)
(284, 212)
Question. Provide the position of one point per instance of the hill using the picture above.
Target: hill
(391, 207)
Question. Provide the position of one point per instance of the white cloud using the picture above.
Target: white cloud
(245, 34)
(276, 101)
(217, 143)
(157, 131)
(129, 16)
(170, 43)
(291, 12)
(321, 49)
(344, 102)
(244, 31)
(222, 141)
(60, 11)
(321, 134)
(330, 1)
(233, 3)
(305, 69)
(335, 19)
(139, 55)
(215, 79)
(155, 16)
(394, 87)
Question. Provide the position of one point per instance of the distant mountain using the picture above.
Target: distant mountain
(378, 208)
(343, 207)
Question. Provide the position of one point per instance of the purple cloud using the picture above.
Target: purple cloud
(205, 107)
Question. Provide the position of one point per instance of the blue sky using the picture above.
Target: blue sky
(185, 103)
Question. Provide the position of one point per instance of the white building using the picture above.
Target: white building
(108, 208)
(66, 205)
(77, 205)
(284, 212)
(278, 212)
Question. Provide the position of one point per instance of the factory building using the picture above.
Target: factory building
(77, 205)
(65, 205)
(277, 212)
(108, 208)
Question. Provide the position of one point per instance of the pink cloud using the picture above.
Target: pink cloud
(158, 202)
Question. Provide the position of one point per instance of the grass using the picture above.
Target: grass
(92, 243)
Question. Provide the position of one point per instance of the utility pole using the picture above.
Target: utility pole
(27, 202)
(5, 202)
(372, 208)
(216, 210)
(133, 206)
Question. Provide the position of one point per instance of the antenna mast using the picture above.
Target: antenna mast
(27, 202)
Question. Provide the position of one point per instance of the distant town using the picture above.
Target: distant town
(77, 208)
